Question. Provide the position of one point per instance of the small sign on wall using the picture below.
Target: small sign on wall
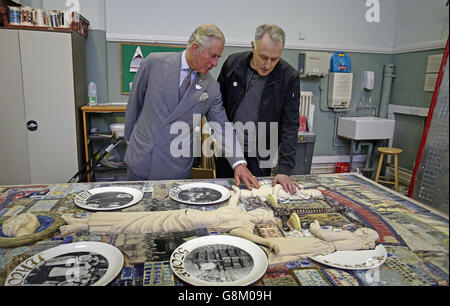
(430, 81)
(433, 65)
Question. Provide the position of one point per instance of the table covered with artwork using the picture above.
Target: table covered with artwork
(413, 237)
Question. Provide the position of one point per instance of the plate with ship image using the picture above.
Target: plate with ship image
(219, 260)
(108, 198)
(200, 193)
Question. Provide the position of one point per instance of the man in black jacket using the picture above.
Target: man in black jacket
(260, 94)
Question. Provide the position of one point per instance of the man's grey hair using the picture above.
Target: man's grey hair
(204, 34)
(276, 33)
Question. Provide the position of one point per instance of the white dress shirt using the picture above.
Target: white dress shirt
(184, 69)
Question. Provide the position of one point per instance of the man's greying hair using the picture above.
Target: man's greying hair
(203, 35)
(276, 33)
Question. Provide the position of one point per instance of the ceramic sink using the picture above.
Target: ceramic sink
(360, 128)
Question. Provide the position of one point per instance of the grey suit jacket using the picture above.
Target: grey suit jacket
(153, 108)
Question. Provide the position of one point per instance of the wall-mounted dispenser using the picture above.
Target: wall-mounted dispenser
(340, 62)
(313, 64)
(368, 80)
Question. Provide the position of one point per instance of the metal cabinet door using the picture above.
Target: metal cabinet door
(14, 167)
(48, 83)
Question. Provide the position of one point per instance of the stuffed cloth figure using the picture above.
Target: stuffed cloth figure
(227, 219)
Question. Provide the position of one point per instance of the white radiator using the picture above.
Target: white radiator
(306, 108)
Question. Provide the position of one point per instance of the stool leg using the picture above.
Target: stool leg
(396, 172)
(379, 167)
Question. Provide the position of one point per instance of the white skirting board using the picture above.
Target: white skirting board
(404, 175)
(327, 164)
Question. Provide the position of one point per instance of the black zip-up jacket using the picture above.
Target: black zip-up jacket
(279, 102)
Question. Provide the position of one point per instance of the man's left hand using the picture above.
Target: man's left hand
(288, 184)
(241, 173)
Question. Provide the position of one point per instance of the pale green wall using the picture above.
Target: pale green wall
(407, 87)
(408, 90)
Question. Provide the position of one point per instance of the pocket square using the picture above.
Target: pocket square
(203, 97)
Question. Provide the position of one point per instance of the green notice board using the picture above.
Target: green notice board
(127, 51)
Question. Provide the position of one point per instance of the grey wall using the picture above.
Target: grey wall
(96, 63)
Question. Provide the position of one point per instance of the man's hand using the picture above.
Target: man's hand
(241, 173)
(288, 184)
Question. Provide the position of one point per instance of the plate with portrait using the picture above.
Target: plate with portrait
(74, 264)
(219, 260)
(199, 193)
(108, 198)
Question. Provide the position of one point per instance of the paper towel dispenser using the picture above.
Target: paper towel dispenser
(313, 64)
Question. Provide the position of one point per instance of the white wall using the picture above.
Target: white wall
(404, 25)
(421, 23)
(92, 10)
(324, 23)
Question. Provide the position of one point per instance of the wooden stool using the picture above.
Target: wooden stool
(388, 151)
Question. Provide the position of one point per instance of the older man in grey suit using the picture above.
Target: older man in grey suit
(175, 89)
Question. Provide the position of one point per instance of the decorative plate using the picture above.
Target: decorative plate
(219, 260)
(73, 264)
(199, 193)
(354, 260)
(108, 198)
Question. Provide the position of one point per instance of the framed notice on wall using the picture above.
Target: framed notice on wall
(131, 56)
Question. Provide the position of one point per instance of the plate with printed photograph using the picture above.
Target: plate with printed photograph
(108, 198)
(200, 193)
(73, 264)
(219, 260)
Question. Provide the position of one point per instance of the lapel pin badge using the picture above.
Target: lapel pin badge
(203, 97)
(234, 84)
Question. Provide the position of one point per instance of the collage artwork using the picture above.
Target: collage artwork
(416, 239)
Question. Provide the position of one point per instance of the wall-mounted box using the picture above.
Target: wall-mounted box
(313, 64)
(339, 89)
